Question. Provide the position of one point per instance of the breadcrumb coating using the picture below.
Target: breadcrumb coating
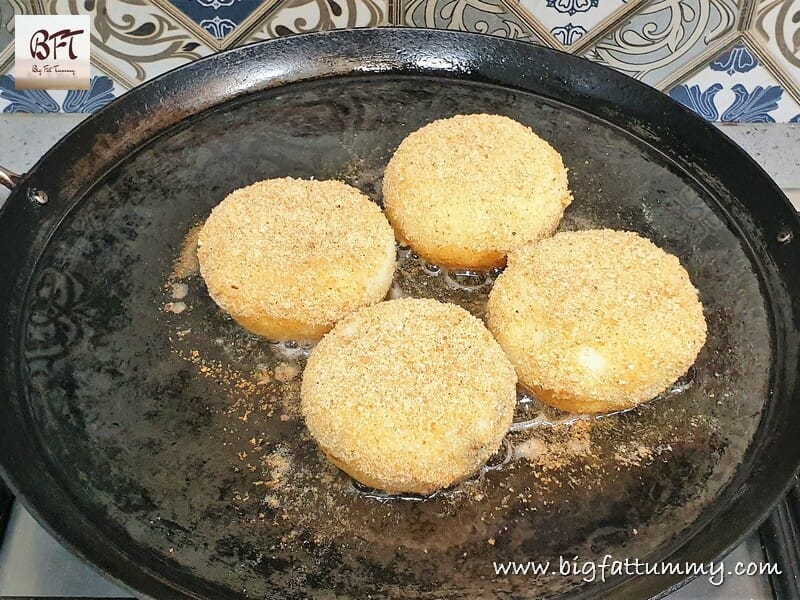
(409, 395)
(596, 320)
(465, 191)
(287, 258)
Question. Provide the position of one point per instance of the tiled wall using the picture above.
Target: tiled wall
(730, 60)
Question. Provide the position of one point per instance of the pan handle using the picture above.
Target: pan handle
(8, 178)
(11, 179)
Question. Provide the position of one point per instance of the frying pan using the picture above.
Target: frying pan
(160, 442)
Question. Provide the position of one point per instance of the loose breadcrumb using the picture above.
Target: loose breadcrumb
(186, 263)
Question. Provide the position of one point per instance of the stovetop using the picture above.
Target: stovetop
(33, 564)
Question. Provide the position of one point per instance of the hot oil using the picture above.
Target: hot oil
(284, 485)
(416, 278)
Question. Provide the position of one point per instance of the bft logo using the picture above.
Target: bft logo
(45, 44)
(51, 52)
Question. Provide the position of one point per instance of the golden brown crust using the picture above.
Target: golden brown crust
(287, 258)
(464, 191)
(598, 320)
(409, 395)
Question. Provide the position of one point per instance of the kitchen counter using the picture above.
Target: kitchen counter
(33, 564)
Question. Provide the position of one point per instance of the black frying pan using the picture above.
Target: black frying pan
(163, 446)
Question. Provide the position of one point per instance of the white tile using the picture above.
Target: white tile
(777, 25)
(663, 36)
(487, 16)
(298, 16)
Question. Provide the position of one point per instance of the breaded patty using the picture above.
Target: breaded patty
(464, 191)
(287, 258)
(598, 320)
(410, 395)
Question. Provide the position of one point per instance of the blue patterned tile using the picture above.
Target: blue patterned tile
(652, 40)
(101, 91)
(753, 106)
(736, 87)
(700, 101)
(218, 17)
(25, 101)
(738, 59)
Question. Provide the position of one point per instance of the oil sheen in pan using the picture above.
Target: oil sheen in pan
(192, 447)
(545, 451)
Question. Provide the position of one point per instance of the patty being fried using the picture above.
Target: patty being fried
(465, 191)
(410, 395)
(597, 320)
(287, 258)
